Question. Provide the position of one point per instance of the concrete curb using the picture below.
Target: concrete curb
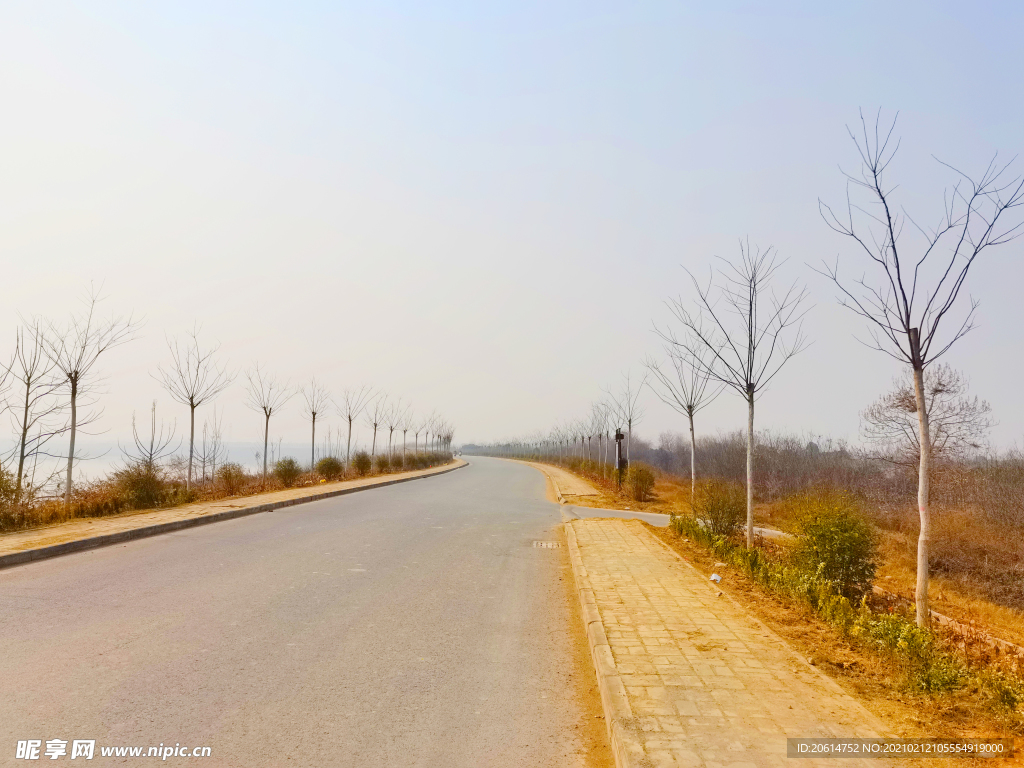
(623, 728)
(69, 547)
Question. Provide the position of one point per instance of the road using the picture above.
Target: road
(413, 625)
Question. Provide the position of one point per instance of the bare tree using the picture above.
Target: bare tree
(353, 403)
(36, 414)
(393, 420)
(747, 353)
(406, 423)
(957, 423)
(906, 305)
(148, 453)
(266, 395)
(376, 412)
(192, 379)
(625, 406)
(74, 350)
(687, 389)
(316, 401)
(212, 450)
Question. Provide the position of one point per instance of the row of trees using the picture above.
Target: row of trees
(736, 330)
(51, 385)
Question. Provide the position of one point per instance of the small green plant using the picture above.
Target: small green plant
(383, 463)
(329, 468)
(719, 506)
(640, 482)
(287, 470)
(232, 478)
(362, 463)
(835, 542)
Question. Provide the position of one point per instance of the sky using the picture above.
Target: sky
(481, 207)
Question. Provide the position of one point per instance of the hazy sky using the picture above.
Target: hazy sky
(480, 206)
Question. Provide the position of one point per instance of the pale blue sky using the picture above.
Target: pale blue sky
(480, 207)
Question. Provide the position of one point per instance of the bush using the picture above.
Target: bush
(639, 482)
(232, 478)
(720, 506)
(141, 486)
(835, 542)
(287, 470)
(330, 468)
(383, 464)
(362, 463)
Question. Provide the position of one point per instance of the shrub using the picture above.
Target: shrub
(330, 468)
(835, 542)
(383, 464)
(232, 478)
(639, 482)
(362, 463)
(141, 486)
(720, 506)
(287, 470)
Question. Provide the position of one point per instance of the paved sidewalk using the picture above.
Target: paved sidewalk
(702, 682)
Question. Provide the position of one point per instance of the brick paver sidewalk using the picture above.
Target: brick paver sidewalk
(707, 685)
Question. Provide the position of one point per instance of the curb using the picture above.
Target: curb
(622, 726)
(69, 547)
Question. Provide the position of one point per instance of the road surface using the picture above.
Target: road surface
(414, 625)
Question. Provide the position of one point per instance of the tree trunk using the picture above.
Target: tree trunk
(23, 445)
(629, 439)
(693, 462)
(191, 443)
(348, 447)
(71, 444)
(266, 436)
(750, 467)
(312, 446)
(373, 446)
(923, 477)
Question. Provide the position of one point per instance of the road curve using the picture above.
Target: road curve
(414, 625)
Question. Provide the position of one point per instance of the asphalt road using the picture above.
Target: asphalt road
(413, 625)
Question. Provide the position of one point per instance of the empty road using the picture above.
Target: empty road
(413, 625)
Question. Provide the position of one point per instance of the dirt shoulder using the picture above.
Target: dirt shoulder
(87, 528)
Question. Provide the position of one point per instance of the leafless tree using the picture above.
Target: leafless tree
(625, 405)
(745, 343)
(193, 378)
(316, 402)
(353, 403)
(957, 423)
(688, 388)
(75, 349)
(36, 414)
(911, 296)
(266, 395)
(212, 450)
(147, 454)
(406, 423)
(392, 420)
(376, 412)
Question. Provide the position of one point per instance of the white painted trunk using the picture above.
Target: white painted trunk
(923, 477)
(71, 444)
(750, 470)
(693, 462)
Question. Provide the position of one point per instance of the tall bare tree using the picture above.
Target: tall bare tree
(148, 453)
(744, 344)
(688, 388)
(376, 413)
(36, 413)
(393, 420)
(316, 400)
(193, 378)
(912, 295)
(625, 405)
(75, 349)
(266, 395)
(353, 403)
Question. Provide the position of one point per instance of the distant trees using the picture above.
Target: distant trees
(625, 406)
(74, 350)
(266, 395)
(353, 403)
(909, 296)
(193, 378)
